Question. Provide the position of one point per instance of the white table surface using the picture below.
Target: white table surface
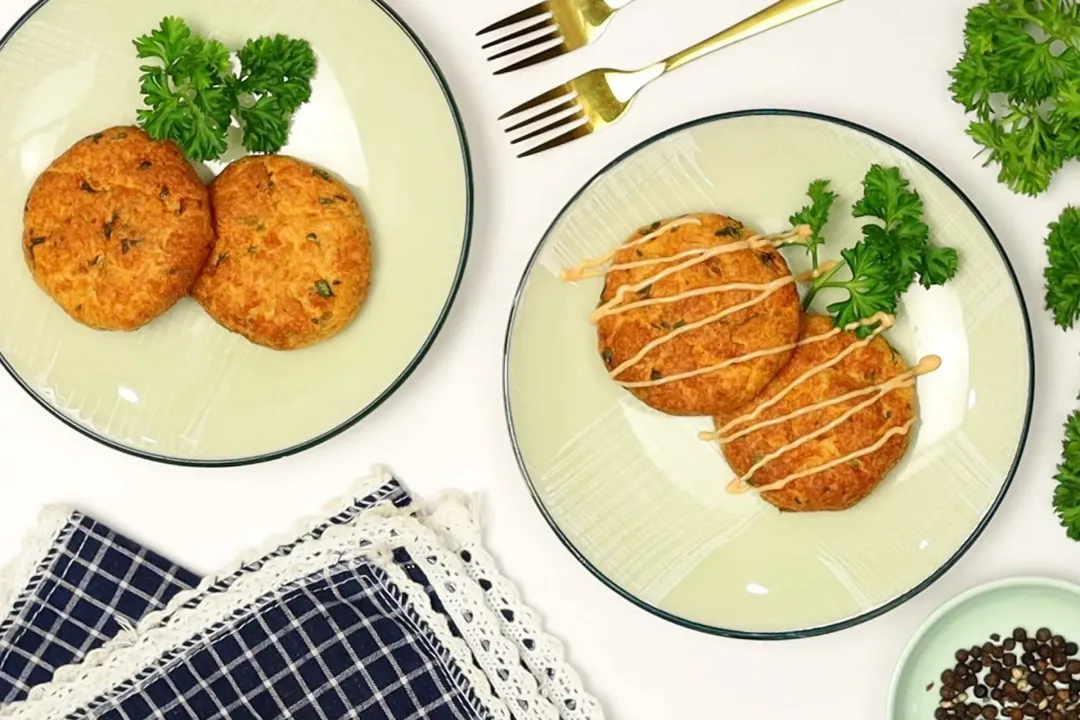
(882, 63)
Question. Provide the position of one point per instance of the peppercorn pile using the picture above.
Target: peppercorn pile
(1015, 678)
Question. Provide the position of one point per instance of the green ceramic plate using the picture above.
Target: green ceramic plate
(969, 619)
(183, 389)
(641, 501)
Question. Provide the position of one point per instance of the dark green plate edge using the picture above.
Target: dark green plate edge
(871, 614)
(470, 193)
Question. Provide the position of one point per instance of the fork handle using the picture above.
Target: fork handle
(775, 15)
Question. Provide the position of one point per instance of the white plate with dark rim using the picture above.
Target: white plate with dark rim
(640, 501)
(184, 390)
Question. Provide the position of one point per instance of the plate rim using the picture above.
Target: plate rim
(951, 604)
(872, 613)
(410, 367)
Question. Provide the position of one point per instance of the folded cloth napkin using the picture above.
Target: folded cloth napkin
(374, 609)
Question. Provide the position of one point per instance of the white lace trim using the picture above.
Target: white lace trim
(499, 642)
(457, 519)
(20, 577)
(107, 673)
(464, 602)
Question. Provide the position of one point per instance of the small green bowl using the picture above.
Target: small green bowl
(969, 619)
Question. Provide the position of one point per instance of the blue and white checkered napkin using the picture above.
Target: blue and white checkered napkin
(375, 610)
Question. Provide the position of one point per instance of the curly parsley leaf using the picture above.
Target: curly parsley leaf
(815, 215)
(192, 95)
(275, 80)
(871, 288)
(1025, 147)
(939, 265)
(1062, 275)
(889, 198)
(188, 98)
(1017, 76)
(266, 125)
(1067, 492)
(891, 255)
(886, 195)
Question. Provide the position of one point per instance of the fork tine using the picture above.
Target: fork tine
(557, 93)
(547, 37)
(561, 107)
(579, 114)
(521, 16)
(520, 33)
(543, 56)
(579, 132)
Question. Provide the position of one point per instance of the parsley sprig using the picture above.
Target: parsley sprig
(192, 94)
(893, 253)
(1062, 277)
(1067, 492)
(1020, 75)
(815, 215)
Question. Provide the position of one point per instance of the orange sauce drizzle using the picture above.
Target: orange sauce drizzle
(741, 484)
(699, 256)
(748, 357)
(586, 268)
(690, 258)
(767, 291)
(884, 322)
(888, 435)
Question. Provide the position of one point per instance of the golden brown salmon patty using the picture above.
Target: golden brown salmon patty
(771, 323)
(292, 262)
(117, 229)
(844, 486)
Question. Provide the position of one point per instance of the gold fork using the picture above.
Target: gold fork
(598, 98)
(573, 23)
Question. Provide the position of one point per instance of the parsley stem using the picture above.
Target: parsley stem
(820, 284)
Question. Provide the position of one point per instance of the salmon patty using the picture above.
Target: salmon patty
(117, 229)
(646, 318)
(292, 263)
(845, 485)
